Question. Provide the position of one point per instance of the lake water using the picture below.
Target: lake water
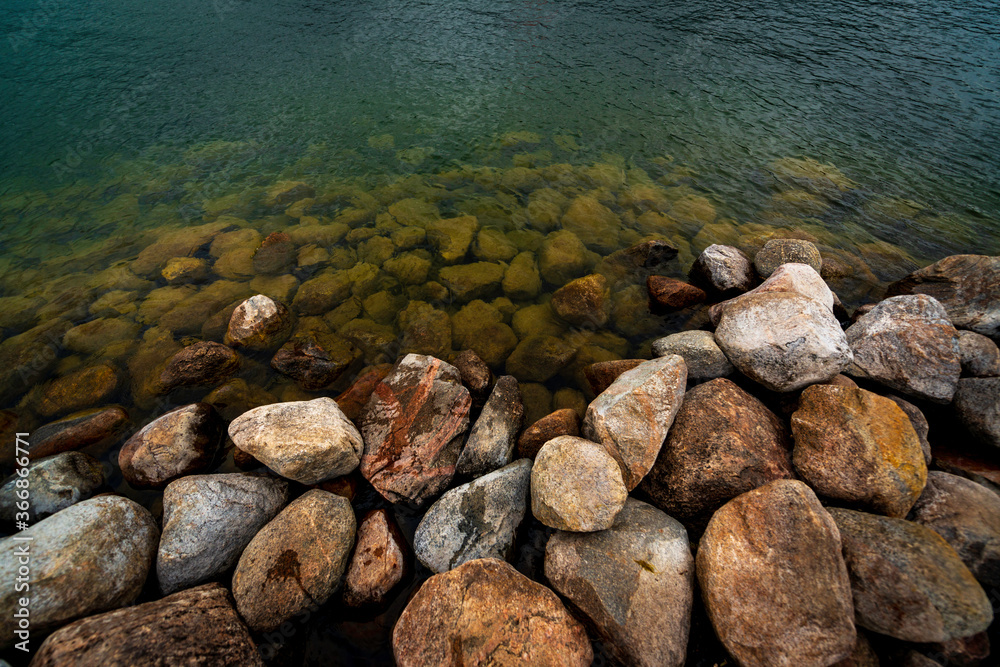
(871, 128)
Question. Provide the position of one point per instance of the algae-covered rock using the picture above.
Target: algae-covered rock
(492, 245)
(452, 237)
(426, 330)
(584, 302)
(322, 293)
(409, 268)
(538, 358)
(593, 223)
(562, 257)
(478, 280)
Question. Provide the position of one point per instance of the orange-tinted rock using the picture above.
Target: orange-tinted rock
(585, 301)
(79, 390)
(381, 561)
(204, 363)
(77, 431)
(412, 428)
(858, 447)
(316, 360)
(672, 294)
(773, 579)
(353, 400)
(183, 441)
(486, 613)
(602, 374)
(560, 422)
(724, 442)
(184, 628)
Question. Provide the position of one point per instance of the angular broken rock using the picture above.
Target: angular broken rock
(633, 581)
(858, 447)
(487, 613)
(704, 359)
(186, 440)
(602, 374)
(977, 406)
(968, 286)
(476, 520)
(782, 340)
(671, 294)
(259, 323)
(413, 426)
(724, 442)
(91, 557)
(491, 441)
(560, 422)
(967, 516)
(632, 416)
(381, 561)
(184, 628)
(723, 270)
(908, 582)
(907, 344)
(773, 579)
(207, 522)
(55, 483)
(307, 441)
(353, 400)
(576, 485)
(585, 301)
(314, 361)
(295, 562)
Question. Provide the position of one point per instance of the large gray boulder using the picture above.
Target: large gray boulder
(55, 483)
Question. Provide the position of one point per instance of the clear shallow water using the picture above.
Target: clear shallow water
(123, 117)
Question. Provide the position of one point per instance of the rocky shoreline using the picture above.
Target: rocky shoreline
(764, 478)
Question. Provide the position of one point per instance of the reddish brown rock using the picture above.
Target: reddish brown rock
(919, 422)
(724, 442)
(353, 399)
(858, 447)
(601, 375)
(259, 323)
(381, 561)
(585, 301)
(964, 651)
(275, 255)
(412, 429)
(198, 626)
(560, 422)
(181, 442)
(316, 360)
(476, 376)
(863, 654)
(968, 286)
(77, 431)
(486, 613)
(204, 363)
(79, 390)
(671, 294)
(773, 579)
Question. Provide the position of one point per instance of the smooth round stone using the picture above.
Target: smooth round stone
(77, 431)
(55, 483)
(259, 323)
(183, 441)
(204, 363)
(576, 485)
(979, 356)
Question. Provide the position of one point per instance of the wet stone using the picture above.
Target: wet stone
(296, 561)
(381, 561)
(425, 330)
(183, 270)
(977, 406)
(549, 427)
(562, 257)
(90, 557)
(576, 485)
(315, 360)
(538, 358)
(479, 280)
(476, 520)
(602, 374)
(521, 280)
(583, 302)
(306, 441)
(486, 612)
(353, 399)
(204, 363)
(82, 389)
(702, 356)
(631, 417)
(259, 323)
(783, 251)
(183, 628)
(492, 439)
(236, 396)
(55, 483)
(723, 271)
(633, 581)
(671, 294)
(908, 582)
(78, 431)
(917, 419)
(773, 579)
(476, 375)
(185, 440)
(207, 522)
(979, 356)
(413, 427)
(275, 255)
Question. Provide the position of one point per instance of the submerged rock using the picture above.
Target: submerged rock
(295, 562)
(704, 359)
(84, 388)
(907, 344)
(576, 485)
(723, 442)
(90, 557)
(413, 427)
(259, 323)
(476, 520)
(77, 431)
(783, 251)
(563, 257)
(315, 360)
(183, 441)
(773, 579)
(908, 582)
(593, 223)
(485, 612)
(858, 447)
(207, 522)
(584, 302)
(491, 441)
(452, 237)
(204, 363)
(184, 628)
(306, 441)
(671, 294)
(478, 280)
(476, 375)
(55, 483)
(633, 581)
(381, 561)
(602, 374)
(782, 340)
(632, 416)
(354, 399)
(521, 280)
(538, 358)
